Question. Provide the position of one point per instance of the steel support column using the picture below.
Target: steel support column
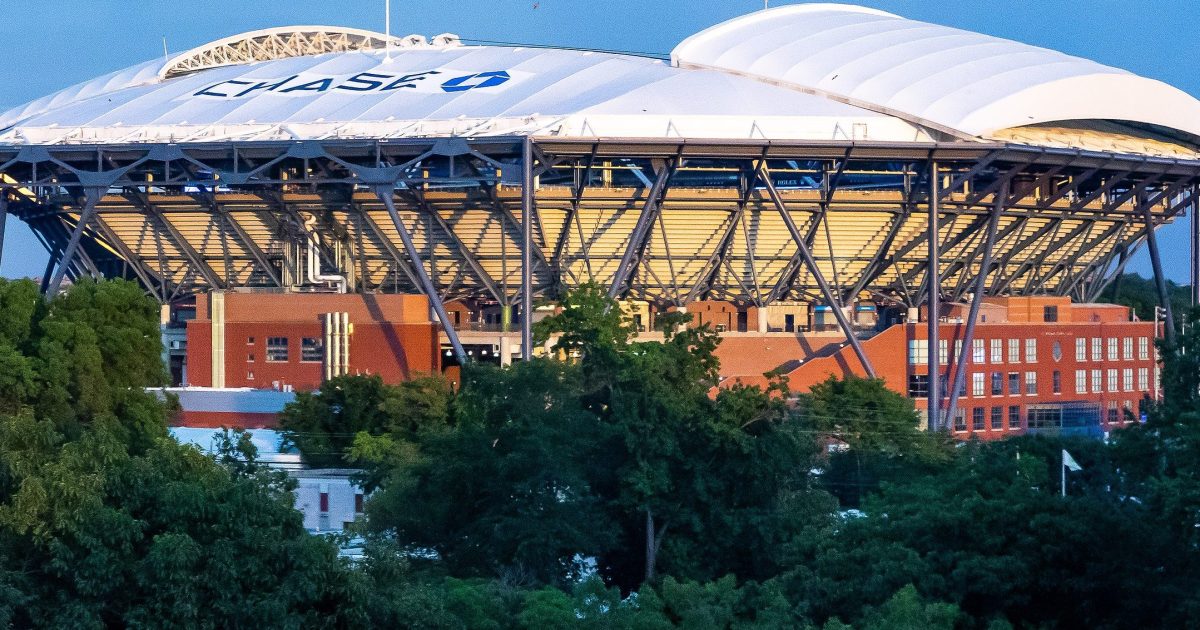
(1160, 280)
(835, 303)
(527, 250)
(4, 219)
(933, 284)
(960, 365)
(91, 197)
(385, 192)
(1195, 242)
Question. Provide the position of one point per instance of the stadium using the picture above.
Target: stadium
(813, 168)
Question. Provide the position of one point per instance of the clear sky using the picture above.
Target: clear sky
(51, 44)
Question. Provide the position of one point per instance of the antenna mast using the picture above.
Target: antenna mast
(387, 28)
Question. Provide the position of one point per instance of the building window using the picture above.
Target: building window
(1056, 382)
(997, 350)
(943, 351)
(1127, 348)
(960, 422)
(1030, 383)
(1143, 349)
(918, 351)
(277, 349)
(1143, 379)
(249, 341)
(1045, 417)
(1056, 352)
(1049, 313)
(918, 385)
(997, 418)
(249, 375)
(1080, 381)
(1031, 350)
(312, 350)
(1097, 386)
(977, 352)
(250, 358)
(1112, 380)
(1097, 349)
(1127, 379)
(324, 505)
(1014, 383)
(1112, 348)
(1014, 350)
(1112, 411)
(997, 383)
(1080, 349)
(977, 419)
(1014, 416)
(977, 384)
(358, 503)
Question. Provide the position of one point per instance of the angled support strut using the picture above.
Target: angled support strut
(385, 192)
(91, 197)
(806, 254)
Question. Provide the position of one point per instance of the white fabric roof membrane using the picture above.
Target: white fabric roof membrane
(439, 91)
(946, 78)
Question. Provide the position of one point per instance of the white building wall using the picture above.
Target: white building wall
(341, 491)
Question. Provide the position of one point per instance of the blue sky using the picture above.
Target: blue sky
(50, 44)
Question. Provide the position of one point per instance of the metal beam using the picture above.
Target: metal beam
(960, 364)
(835, 304)
(527, 250)
(3, 219)
(132, 259)
(385, 192)
(1160, 279)
(180, 241)
(1195, 247)
(638, 237)
(91, 197)
(465, 252)
(932, 319)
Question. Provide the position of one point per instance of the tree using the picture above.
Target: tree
(880, 428)
(322, 424)
(989, 533)
(505, 490)
(105, 520)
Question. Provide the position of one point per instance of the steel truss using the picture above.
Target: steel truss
(664, 221)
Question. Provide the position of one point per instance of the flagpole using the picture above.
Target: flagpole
(1063, 472)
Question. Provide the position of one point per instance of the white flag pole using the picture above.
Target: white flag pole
(387, 29)
(1063, 471)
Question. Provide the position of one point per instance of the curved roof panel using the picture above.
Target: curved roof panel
(430, 90)
(953, 80)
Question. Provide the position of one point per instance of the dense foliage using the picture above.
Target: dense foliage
(612, 485)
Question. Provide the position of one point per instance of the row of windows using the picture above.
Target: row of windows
(312, 350)
(983, 418)
(995, 350)
(1100, 378)
(1013, 384)
(978, 382)
(1106, 349)
(994, 420)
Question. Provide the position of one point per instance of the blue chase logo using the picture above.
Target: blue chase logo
(374, 82)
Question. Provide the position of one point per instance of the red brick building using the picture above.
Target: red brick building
(1038, 363)
(297, 340)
